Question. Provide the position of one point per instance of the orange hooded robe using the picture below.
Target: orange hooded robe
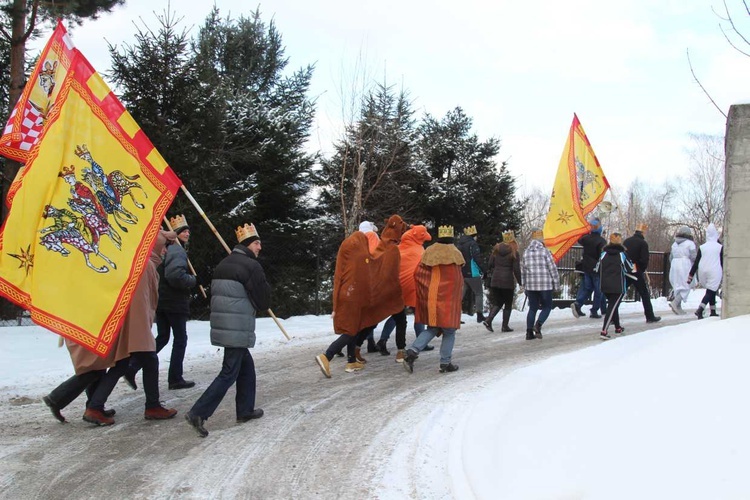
(366, 287)
(411, 249)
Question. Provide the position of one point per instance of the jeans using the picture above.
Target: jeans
(150, 363)
(178, 323)
(473, 286)
(589, 285)
(238, 366)
(446, 344)
(65, 393)
(398, 322)
(538, 300)
(338, 345)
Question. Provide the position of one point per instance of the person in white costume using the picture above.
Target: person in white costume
(709, 264)
(681, 259)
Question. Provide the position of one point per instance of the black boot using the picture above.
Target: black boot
(713, 312)
(538, 330)
(530, 335)
(506, 318)
(699, 313)
(382, 348)
(480, 317)
(371, 346)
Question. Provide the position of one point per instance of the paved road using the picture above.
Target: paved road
(319, 438)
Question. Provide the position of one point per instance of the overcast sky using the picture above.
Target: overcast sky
(519, 69)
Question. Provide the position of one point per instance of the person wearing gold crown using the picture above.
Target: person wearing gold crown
(238, 291)
(505, 271)
(173, 312)
(539, 279)
(638, 253)
(473, 271)
(439, 283)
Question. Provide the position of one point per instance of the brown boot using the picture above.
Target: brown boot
(159, 413)
(97, 417)
(400, 355)
(357, 351)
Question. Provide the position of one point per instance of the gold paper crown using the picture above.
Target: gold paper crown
(177, 222)
(67, 171)
(445, 232)
(642, 227)
(508, 236)
(245, 232)
(537, 234)
(470, 231)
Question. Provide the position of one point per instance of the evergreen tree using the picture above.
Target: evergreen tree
(233, 126)
(371, 175)
(467, 186)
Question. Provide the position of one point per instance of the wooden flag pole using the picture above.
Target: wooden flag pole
(192, 270)
(203, 214)
(226, 247)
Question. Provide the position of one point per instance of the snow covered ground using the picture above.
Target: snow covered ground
(658, 414)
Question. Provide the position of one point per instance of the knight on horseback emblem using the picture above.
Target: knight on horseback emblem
(586, 178)
(90, 205)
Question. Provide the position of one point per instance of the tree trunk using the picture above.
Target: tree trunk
(17, 82)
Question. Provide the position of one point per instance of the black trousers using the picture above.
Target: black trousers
(613, 310)
(65, 393)
(150, 363)
(642, 288)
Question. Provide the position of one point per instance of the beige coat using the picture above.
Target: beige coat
(135, 335)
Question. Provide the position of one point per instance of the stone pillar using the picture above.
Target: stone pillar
(736, 284)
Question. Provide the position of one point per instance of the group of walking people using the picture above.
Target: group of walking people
(608, 269)
(377, 278)
(238, 291)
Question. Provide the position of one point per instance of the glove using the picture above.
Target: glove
(690, 278)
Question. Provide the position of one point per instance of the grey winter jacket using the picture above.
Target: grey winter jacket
(238, 290)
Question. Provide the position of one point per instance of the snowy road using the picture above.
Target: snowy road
(363, 434)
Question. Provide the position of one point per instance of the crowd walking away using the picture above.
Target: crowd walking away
(378, 279)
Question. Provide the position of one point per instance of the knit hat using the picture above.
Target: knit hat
(178, 223)
(596, 225)
(366, 227)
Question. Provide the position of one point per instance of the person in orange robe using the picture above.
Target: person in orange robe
(439, 284)
(412, 249)
(366, 290)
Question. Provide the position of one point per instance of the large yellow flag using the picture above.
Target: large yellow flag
(85, 209)
(579, 187)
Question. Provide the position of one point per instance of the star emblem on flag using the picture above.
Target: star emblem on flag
(25, 257)
(564, 217)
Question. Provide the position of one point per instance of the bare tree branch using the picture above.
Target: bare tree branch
(702, 87)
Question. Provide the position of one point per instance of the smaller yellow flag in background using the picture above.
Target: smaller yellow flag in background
(580, 185)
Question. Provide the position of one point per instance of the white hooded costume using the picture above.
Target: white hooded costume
(682, 256)
(709, 265)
